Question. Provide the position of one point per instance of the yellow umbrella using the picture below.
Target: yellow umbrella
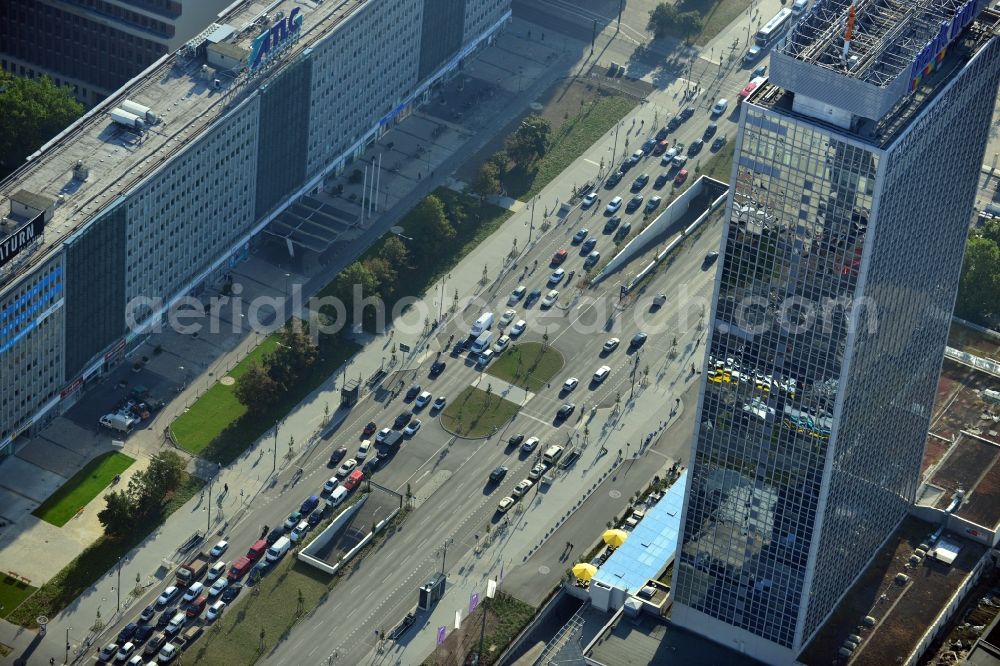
(615, 538)
(584, 571)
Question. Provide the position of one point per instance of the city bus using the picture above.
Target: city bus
(755, 83)
(773, 28)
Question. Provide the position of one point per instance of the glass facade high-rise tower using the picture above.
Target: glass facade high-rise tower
(853, 182)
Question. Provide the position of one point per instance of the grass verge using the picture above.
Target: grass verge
(530, 365)
(476, 413)
(59, 507)
(218, 407)
(718, 15)
(260, 622)
(570, 141)
(94, 562)
(720, 165)
(12, 593)
(506, 617)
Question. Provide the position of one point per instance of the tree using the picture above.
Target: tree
(487, 181)
(293, 355)
(688, 23)
(394, 252)
(530, 142)
(164, 473)
(665, 19)
(34, 111)
(256, 390)
(355, 274)
(434, 228)
(385, 274)
(117, 515)
(978, 295)
(662, 18)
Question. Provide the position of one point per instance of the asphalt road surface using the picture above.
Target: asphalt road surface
(578, 326)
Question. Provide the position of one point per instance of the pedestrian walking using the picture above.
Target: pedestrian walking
(225, 487)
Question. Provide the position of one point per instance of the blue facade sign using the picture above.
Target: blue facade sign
(933, 52)
(276, 39)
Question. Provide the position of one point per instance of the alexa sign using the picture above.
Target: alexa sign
(276, 39)
(933, 51)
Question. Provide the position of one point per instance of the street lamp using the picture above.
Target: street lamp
(398, 231)
(119, 589)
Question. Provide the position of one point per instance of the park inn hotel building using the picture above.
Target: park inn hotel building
(855, 174)
(257, 110)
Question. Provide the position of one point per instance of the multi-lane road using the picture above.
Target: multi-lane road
(582, 320)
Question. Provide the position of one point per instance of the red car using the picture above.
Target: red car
(682, 175)
(369, 430)
(354, 479)
(195, 608)
(559, 257)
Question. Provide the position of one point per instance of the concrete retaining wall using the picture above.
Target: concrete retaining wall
(668, 217)
(306, 554)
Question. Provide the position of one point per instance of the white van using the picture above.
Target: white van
(601, 374)
(799, 6)
(552, 454)
(338, 496)
(483, 323)
(482, 342)
(278, 549)
(299, 531)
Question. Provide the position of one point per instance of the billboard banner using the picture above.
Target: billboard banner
(23, 236)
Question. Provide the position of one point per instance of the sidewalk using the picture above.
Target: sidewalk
(530, 555)
(248, 475)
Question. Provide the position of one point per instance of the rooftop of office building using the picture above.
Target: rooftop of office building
(893, 603)
(878, 109)
(986, 651)
(967, 481)
(186, 95)
(886, 37)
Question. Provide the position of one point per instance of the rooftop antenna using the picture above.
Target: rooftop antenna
(848, 34)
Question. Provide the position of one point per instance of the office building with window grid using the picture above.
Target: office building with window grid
(95, 46)
(233, 130)
(854, 176)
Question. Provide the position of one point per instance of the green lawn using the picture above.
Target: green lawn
(274, 604)
(568, 142)
(79, 575)
(506, 618)
(231, 428)
(720, 165)
(529, 365)
(12, 593)
(82, 487)
(717, 16)
(475, 413)
(213, 412)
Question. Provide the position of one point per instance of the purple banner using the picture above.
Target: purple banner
(473, 602)
(442, 633)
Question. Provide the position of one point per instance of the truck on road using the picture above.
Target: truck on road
(194, 569)
(390, 444)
